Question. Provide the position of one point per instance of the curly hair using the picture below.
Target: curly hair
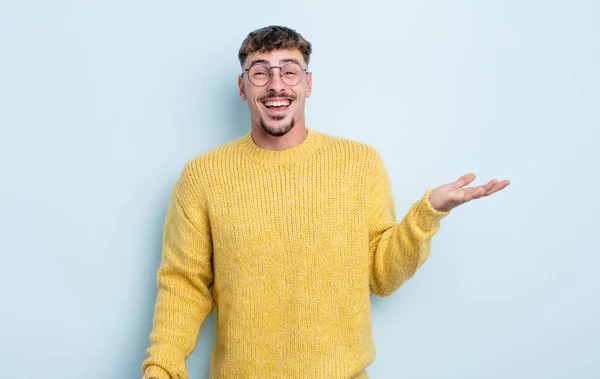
(272, 38)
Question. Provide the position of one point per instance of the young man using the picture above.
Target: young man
(292, 229)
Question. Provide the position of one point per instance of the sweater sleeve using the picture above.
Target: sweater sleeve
(184, 277)
(396, 250)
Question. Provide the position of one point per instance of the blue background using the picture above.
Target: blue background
(102, 103)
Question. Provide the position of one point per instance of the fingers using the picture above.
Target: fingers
(500, 185)
(469, 194)
(464, 180)
(464, 195)
(491, 187)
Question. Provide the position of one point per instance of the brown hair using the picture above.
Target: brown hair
(272, 38)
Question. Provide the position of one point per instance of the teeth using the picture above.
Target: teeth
(277, 103)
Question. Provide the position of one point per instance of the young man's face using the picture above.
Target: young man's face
(276, 106)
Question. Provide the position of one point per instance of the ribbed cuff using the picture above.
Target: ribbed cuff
(427, 217)
(156, 372)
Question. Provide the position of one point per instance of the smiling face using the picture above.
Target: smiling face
(276, 107)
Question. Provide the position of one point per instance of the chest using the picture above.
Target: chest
(286, 204)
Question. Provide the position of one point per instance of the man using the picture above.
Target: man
(292, 229)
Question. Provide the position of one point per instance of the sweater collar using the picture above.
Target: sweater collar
(295, 154)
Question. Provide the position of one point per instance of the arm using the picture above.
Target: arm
(184, 277)
(397, 250)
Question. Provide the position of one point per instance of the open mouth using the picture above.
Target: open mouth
(277, 105)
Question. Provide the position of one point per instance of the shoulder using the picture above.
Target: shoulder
(201, 169)
(345, 148)
(222, 157)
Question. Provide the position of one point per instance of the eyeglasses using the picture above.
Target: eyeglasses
(259, 74)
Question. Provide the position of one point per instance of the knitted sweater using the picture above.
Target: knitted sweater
(288, 246)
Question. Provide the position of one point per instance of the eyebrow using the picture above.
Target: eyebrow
(288, 60)
(263, 61)
(281, 62)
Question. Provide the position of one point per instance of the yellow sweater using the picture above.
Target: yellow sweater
(292, 243)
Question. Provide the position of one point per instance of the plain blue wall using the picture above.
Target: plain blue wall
(102, 103)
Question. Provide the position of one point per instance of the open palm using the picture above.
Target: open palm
(451, 195)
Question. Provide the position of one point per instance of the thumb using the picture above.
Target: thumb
(463, 180)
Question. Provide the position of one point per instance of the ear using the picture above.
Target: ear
(308, 84)
(242, 87)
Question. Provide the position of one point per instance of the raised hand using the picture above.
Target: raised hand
(451, 195)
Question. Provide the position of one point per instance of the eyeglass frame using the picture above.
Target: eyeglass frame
(303, 70)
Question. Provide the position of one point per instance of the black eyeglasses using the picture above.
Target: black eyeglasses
(259, 74)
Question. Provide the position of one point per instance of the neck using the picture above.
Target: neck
(291, 139)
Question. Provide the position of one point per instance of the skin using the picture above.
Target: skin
(276, 133)
(449, 196)
(273, 130)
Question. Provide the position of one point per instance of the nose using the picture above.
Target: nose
(276, 83)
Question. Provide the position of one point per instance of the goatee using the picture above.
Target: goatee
(276, 132)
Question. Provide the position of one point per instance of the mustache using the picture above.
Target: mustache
(277, 97)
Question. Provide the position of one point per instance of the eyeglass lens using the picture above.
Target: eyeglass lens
(291, 74)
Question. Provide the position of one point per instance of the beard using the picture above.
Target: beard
(277, 131)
